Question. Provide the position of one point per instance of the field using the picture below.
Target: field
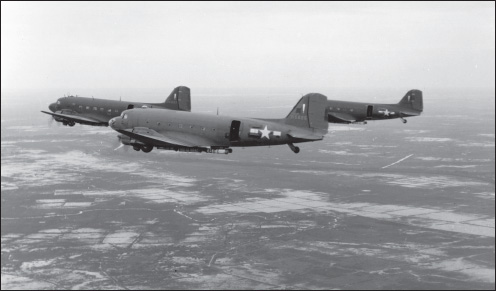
(379, 206)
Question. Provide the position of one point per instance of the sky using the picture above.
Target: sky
(47, 45)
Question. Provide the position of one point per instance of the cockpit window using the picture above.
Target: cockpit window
(125, 116)
(58, 102)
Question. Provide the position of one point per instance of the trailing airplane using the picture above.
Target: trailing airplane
(146, 128)
(91, 111)
(355, 112)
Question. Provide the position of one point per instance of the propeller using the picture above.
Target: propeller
(50, 121)
(121, 145)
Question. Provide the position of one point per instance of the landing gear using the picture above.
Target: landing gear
(71, 123)
(146, 148)
(293, 148)
(403, 120)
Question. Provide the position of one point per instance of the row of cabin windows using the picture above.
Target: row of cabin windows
(190, 126)
(124, 116)
(96, 109)
(339, 109)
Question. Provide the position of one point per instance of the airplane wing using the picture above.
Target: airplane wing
(150, 136)
(77, 118)
(341, 117)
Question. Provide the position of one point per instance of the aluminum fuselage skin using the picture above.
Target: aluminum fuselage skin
(214, 128)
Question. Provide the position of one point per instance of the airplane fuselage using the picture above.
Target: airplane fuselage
(360, 111)
(214, 130)
(93, 111)
(99, 109)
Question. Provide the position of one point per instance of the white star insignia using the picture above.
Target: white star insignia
(386, 112)
(265, 132)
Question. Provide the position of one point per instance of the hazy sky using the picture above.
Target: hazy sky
(247, 45)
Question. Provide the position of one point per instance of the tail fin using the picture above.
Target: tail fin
(179, 99)
(413, 100)
(309, 112)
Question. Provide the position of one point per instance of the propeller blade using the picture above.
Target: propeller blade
(119, 147)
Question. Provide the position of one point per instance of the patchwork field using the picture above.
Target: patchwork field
(379, 206)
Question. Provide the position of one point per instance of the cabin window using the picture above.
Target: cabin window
(81, 107)
(101, 109)
(73, 104)
(330, 108)
(203, 128)
(58, 102)
(351, 110)
(338, 108)
(180, 126)
(95, 108)
(87, 108)
(116, 111)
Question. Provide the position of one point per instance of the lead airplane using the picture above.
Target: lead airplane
(97, 112)
(146, 128)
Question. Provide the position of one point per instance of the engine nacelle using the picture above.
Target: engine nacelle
(126, 140)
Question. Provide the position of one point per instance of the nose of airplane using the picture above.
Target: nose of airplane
(114, 123)
(52, 107)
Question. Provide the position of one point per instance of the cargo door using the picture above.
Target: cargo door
(234, 132)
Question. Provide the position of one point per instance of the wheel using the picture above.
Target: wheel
(147, 148)
(136, 148)
(64, 123)
(404, 120)
(297, 150)
(72, 124)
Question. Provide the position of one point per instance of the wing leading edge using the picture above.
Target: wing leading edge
(150, 136)
(79, 119)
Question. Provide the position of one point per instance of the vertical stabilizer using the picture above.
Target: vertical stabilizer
(309, 112)
(179, 99)
(413, 100)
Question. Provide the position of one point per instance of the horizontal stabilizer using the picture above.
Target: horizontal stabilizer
(339, 117)
(305, 135)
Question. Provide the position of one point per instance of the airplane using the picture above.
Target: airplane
(308, 121)
(355, 112)
(97, 112)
